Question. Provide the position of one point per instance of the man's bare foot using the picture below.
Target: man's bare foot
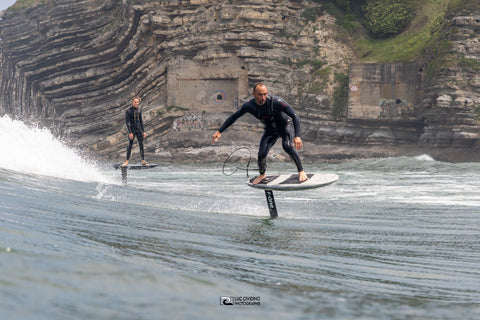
(125, 164)
(259, 179)
(302, 176)
(144, 163)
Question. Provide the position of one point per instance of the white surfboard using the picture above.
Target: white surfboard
(286, 182)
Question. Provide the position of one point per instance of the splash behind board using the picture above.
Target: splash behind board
(288, 182)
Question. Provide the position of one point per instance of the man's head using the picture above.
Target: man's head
(260, 93)
(136, 102)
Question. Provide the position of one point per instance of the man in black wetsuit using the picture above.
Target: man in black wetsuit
(277, 117)
(134, 122)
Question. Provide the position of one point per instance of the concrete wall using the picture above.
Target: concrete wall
(212, 88)
(385, 90)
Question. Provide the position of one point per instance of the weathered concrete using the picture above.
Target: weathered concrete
(385, 90)
(204, 88)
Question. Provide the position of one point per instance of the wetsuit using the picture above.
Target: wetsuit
(133, 120)
(277, 117)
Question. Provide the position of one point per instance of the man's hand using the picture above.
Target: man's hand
(215, 137)
(297, 142)
(130, 136)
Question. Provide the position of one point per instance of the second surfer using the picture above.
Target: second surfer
(134, 123)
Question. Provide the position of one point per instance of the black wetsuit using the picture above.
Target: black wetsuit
(277, 117)
(133, 120)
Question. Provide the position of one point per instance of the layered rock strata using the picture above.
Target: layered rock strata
(452, 104)
(75, 65)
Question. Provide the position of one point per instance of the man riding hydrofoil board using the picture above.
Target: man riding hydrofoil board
(278, 119)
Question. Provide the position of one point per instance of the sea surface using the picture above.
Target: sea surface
(394, 238)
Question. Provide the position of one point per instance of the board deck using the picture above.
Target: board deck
(286, 182)
(135, 166)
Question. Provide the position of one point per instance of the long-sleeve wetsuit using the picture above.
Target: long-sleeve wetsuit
(134, 122)
(277, 117)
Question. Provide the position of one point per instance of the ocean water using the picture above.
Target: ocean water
(394, 238)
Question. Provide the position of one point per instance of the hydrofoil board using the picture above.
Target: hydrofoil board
(135, 166)
(287, 182)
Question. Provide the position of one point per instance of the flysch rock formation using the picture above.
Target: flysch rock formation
(75, 65)
(452, 104)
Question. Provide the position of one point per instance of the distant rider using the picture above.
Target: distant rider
(277, 117)
(134, 122)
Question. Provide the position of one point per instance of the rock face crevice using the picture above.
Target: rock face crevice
(75, 65)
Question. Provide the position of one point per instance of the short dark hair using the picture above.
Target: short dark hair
(258, 84)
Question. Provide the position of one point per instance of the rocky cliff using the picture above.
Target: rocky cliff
(75, 65)
(452, 100)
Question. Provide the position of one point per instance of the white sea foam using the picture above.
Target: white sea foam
(35, 150)
(424, 157)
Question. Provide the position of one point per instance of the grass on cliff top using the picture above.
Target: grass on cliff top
(410, 44)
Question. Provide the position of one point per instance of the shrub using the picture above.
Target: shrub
(340, 95)
(384, 18)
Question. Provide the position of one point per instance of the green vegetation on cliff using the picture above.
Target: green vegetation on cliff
(439, 52)
(409, 45)
(393, 31)
(384, 18)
